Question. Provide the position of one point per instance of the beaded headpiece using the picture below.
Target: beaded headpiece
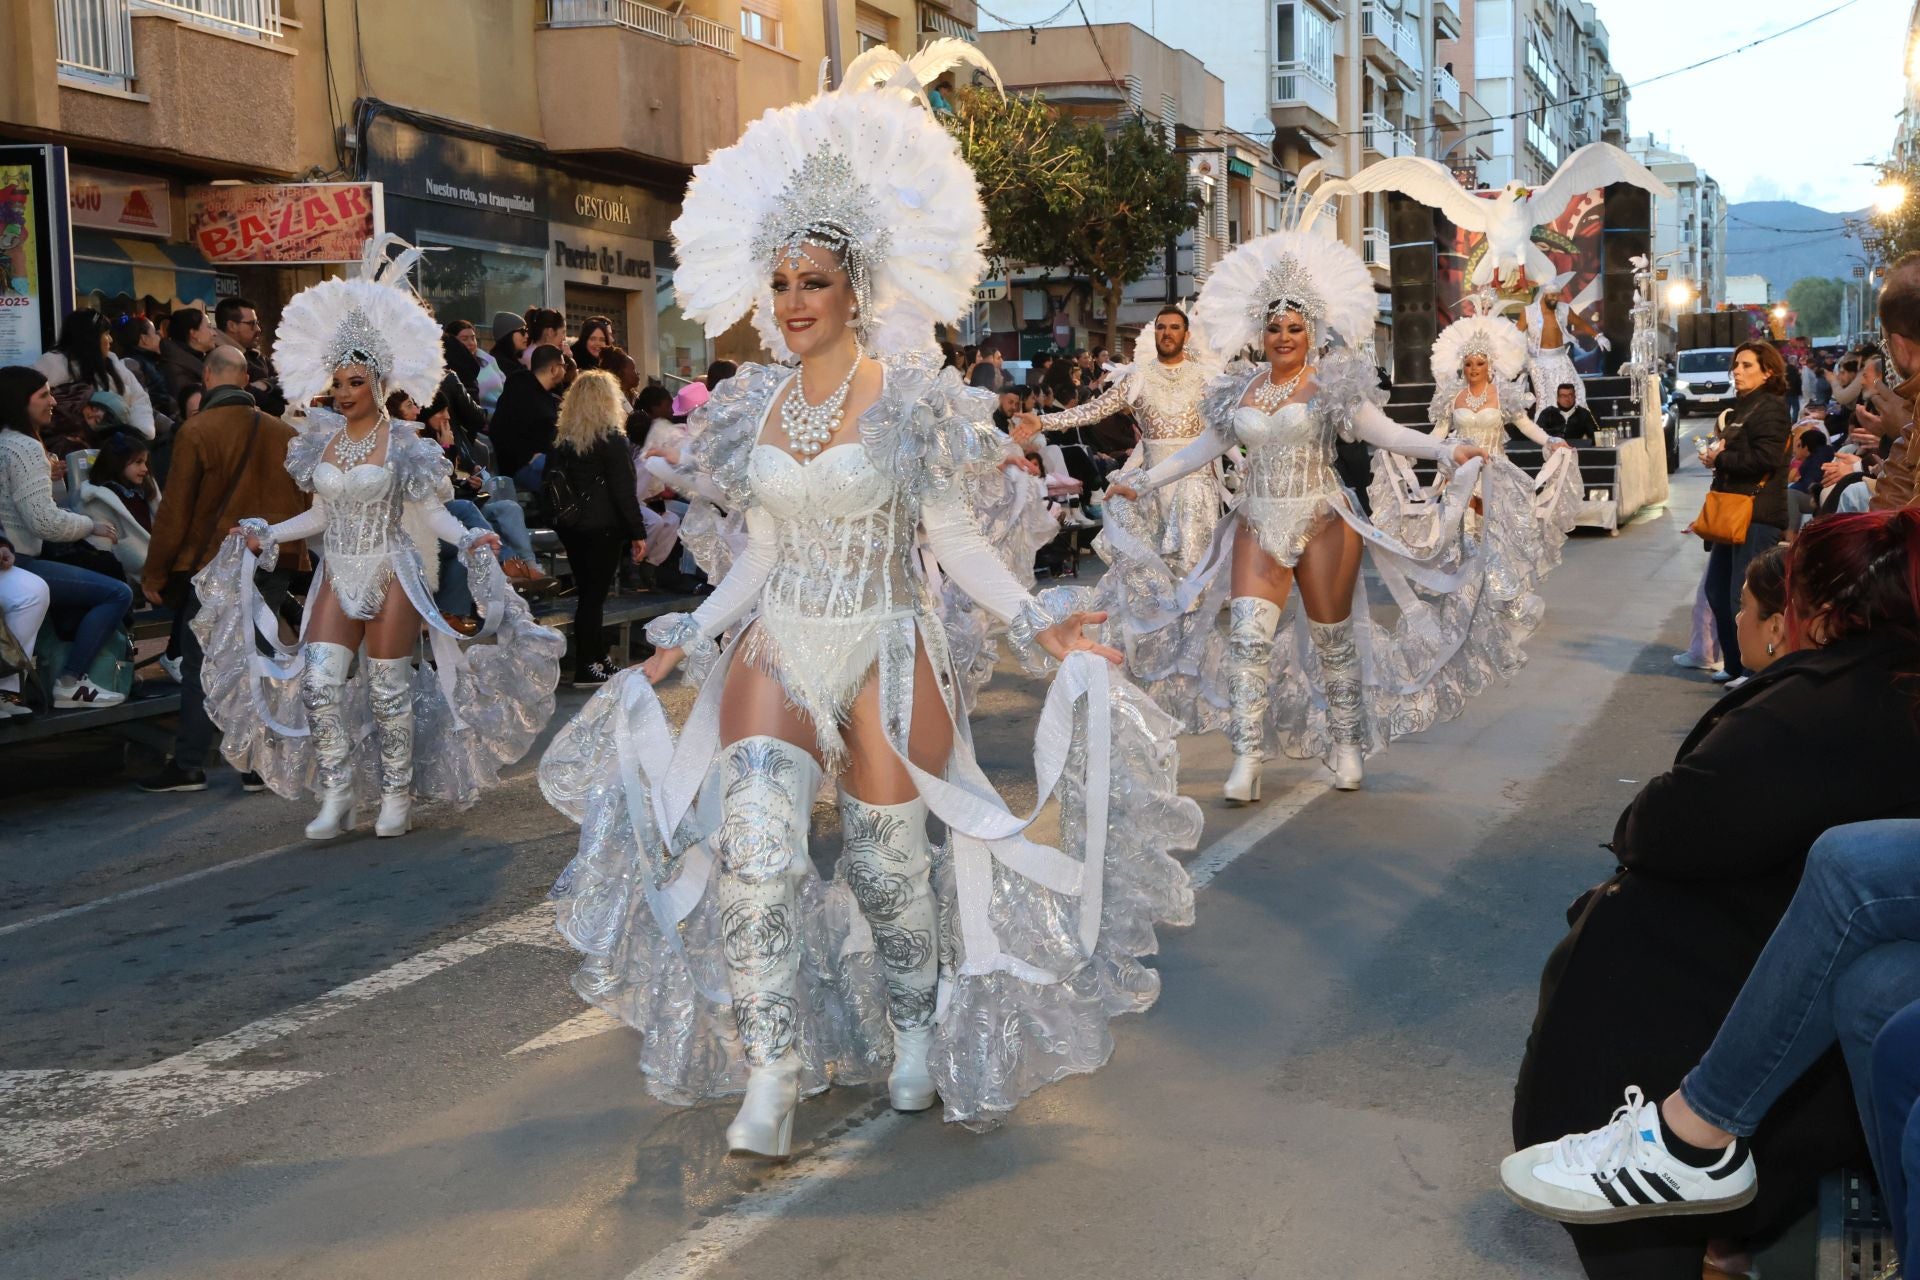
(1288, 286)
(824, 204)
(372, 319)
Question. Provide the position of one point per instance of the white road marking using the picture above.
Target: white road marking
(145, 889)
(719, 1238)
(591, 1023)
(49, 1117)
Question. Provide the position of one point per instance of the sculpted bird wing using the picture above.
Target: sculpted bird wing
(1431, 184)
(943, 55)
(1598, 164)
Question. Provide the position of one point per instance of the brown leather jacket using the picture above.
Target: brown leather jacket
(1895, 488)
(206, 454)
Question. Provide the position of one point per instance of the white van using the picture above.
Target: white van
(1703, 380)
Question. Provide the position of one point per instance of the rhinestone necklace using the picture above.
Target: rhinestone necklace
(353, 453)
(1476, 402)
(1269, 397)
(810, 426)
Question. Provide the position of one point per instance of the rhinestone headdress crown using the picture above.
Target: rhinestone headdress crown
(1288, 286)
(357, 340)
(825, 204)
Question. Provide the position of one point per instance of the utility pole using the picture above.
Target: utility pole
(830, 15)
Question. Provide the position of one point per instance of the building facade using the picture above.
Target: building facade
(542, 150)
(1690, 227)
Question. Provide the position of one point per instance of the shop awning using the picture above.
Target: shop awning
(112, 266)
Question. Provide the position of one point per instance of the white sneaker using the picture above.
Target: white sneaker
(1688, 660)
(81, 692)
(171, 666)
(1624, 1171)
(1738, 682)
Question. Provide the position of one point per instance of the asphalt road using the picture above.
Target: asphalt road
(228, 1053)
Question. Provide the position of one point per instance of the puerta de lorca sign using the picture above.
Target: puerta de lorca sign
(605, 260)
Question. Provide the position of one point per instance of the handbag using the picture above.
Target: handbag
(565, 503)
(1725, 517)
(180, 581)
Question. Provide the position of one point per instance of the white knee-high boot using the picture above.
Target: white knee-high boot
(769, 788)
(890, 873)
(1340, 669)
(323, 680)
(390, 689)
(1252, 623)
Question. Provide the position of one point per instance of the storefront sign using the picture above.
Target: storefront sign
(36, 250)
(449, 169)
(123, 203)
(609, 207)
(609, 260)
(296, 222)
(603, 209)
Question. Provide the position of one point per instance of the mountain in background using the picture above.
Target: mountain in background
(1785, 241)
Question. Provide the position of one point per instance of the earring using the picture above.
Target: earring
(1769, 648)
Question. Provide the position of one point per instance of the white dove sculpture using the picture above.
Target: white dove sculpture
(1509, 218)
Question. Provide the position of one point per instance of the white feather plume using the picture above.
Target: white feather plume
(1232, 314)
(1504, 344)
(924, 194)
(326, 319)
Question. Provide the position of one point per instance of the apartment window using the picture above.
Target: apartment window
(760, 22)
(1269, 213)
(872, 27)
(1303, 36)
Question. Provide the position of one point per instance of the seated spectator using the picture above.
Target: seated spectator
(625, 372)
(689, 398)
(36, 529)
(509, 343)
(23, 607)
(136, 340)
(596, 336)
(84, 354)
(1007, 411)
(119, 490)
(527, 419)
(718, 372)
(651, 407)
(1893, 1126)
(183, 355)
(545, 328)
(473, 486)
(1811, 453)
(1567, 418)
(1710, 855)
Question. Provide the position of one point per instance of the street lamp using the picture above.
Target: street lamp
(1889, 196)
(1679, 294)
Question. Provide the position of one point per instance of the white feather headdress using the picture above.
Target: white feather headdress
(1300, 269)
(371, 319)
(1492, 336)
(871, 176)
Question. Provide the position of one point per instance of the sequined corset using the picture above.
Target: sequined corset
(1289, 453)
(1169, 405)
(1485, 427)
(846, 536)
(363, 517)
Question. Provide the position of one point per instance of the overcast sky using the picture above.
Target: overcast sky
(1820, 100)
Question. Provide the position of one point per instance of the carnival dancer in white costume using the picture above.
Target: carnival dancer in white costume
(1478, 363)
(974, 972)
(304, 718)
(1551, 327)
(1339, 685)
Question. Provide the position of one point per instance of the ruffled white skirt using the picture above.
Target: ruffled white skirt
(478, 706)
(1040, 946)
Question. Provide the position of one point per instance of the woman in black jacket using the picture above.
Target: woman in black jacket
(1750, 455)
(1710, 854)
(592, 493)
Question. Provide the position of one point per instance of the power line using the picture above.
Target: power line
(1013, 24)
(1761, 226)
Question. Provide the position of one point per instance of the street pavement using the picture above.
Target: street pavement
(229, 1053)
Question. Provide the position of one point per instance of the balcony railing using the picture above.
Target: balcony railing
(1301, 84)
(257, 19)
(1378, 134)
(1446, 89)
(635, 15)
(1375, 248)
(1385, 27)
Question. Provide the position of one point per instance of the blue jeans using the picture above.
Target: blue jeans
(1844, 959)
(455, 596)
(99, 600)
(509, 520)
(1893, 1130)
(1726, 574)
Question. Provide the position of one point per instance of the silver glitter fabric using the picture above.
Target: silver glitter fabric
(1251, 624)
(1340, 680)
(322, 686)
(767, 798)
(1549, 369)
(885, 863)
(390, 690)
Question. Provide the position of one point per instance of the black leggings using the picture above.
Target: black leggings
(595, 557)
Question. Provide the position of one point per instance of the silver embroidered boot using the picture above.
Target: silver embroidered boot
(1252, 622)
(769, 788)
(886, 865)
(323, 681)
(1340, 669)
(390, 689)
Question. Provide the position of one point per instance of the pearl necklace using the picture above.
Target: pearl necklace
(1269, 396)
(1477, 402)
(810, 426)
(353, 453)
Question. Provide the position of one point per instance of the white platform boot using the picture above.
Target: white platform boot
(769, 788)
(390, 688)
(323, 681)
(886, 864)
(1346, 718)
(1252, 622)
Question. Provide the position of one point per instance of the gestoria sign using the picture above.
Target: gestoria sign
(294, 222)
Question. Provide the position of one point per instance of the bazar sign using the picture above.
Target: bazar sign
(122, 202)
(293, 222)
